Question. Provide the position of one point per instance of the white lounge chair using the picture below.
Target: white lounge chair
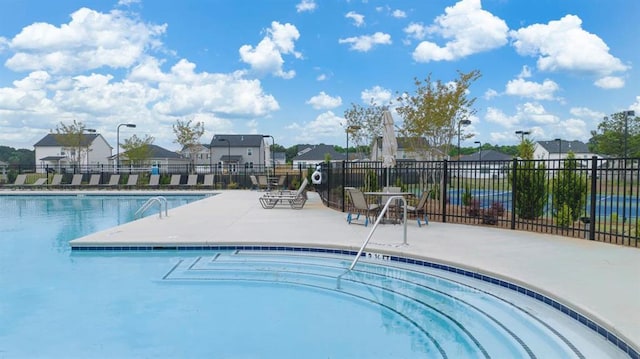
(75, 181)
(20, 181)
(154, 181)
(192, 181)
(94, 180)
(132, 181)
(295, 200)
(56, 180)
(208, 181)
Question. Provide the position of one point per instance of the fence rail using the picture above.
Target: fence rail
(591, 198)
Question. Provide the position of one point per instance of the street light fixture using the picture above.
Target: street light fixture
(522, 134)
(461, 122)
(131, 125)
(350, 129)
(479, 150)
(271, 152)
(228, 157)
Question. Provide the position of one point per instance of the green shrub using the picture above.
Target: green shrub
(564, 216)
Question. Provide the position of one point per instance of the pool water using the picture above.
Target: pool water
(245, 304)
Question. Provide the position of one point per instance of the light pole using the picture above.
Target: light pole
(461, 122)
(479, 150)
(90, 130)
(624, 179)
(132, 125)
(522, 134)
(228, 157)
(349, 130)
(273, 146)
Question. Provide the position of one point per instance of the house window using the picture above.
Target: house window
(249, 151)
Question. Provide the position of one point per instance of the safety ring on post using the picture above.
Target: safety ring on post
(316, 177)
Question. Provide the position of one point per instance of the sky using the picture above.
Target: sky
(290, 69)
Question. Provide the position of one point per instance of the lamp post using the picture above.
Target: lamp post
(349, 130)
(626, 154)
(132, 125)
(522, 134)
(228, 157)
(461, 122)
(479, 150)
(273, 145)
(90, 130)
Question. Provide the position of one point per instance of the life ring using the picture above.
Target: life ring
(316, 177)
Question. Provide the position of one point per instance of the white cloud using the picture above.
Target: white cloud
(536, 113)
(563, 45)
(496, 116)
(534, 90)
(378, 95)
(490, 93)
(399, 14)
(416, 31)
(266, 57)
(322, 101)
(306, 5)
(573, 129)
(358, 19)
(610, 82)
(525, 72)
(586, 112)
(469, 29)
(323, 128)
(367, 42)
(89, 41)
(321, 77)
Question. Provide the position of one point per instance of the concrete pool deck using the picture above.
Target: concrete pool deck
(597, 279)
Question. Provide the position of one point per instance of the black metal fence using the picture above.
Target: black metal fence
(590, 198)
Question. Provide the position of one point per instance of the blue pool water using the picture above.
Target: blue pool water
(55, 303)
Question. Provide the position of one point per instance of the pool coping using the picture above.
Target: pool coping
(592, 280)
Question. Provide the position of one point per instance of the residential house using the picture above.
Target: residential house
(310, 156)
(408, 148)
(160, 159)
(482, 164)
(230, 152)
(4, 167)
(51, 154)
(559, 149)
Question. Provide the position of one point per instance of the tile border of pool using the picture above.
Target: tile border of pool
(584, 320)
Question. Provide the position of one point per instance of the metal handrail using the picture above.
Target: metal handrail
(375, 225)
(158, 199)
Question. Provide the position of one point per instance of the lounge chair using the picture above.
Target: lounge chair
(361, 206)
(75, 181)
(208, 181)
(192, 181)
(295, 200)
(154, 181)
(419, 210)
(132, 181)
(20, 181)
(94, 181)
(56, 181)
(254, 182)
(38, 183)
(113, 181)
(175, 181)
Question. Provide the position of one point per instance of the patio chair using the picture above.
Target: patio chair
(132, 181)
(208, 181)
(20, 181)
(263, 182)
(361, 206)
(295, 200)
(254, 182)
(75, 181)
(192, 181)
(94, 180)
(56, 181)
(113, 181)
(154, 181)
(175, 181)
(419, 210)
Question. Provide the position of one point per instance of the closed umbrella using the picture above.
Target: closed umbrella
(389, 142)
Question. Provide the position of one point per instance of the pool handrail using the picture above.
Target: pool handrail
(160, 200)
(375, 225)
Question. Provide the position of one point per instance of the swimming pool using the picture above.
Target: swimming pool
(246, 303)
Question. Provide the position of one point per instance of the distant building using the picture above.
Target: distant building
(159, 157)
(408, 149)
(559, 149)
(311, 155)
(230, 152)
(50, 153)
(482, 164)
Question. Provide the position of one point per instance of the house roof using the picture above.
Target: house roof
(51, 140)
(156, 151)
(236, 141)
(487, 155)
(564, 146)
(52, 158)
(318, 152)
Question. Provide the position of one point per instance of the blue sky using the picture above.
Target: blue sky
(291, 68)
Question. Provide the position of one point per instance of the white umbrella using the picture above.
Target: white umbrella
(389, 142)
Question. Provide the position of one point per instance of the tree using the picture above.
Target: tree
(367, 120)
(609, 138)
(137, 149)
(71, 138)
(188, 135)
(434, 112)
(570, 190)
(530, 184)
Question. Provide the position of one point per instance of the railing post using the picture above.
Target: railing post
(514, 191)
(443, 190)
(592, 209)
(344, 183)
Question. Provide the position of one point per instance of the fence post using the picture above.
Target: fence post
(592, 210)
(443, 190)
(344, 183)
(514, 191)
